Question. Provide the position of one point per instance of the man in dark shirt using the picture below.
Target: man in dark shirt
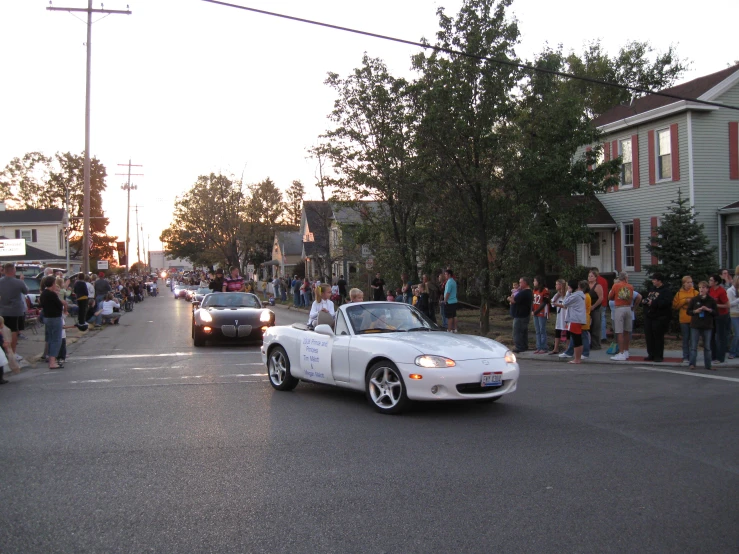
(522, 303)
(378, 288)
(80, 292)
(657, 313)
(216, 284)
(342, 289)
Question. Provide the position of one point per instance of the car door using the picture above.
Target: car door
(340, 352)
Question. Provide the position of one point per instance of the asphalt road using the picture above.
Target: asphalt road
(146, 444)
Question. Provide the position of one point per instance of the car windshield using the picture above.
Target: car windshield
(387, 317)
(231, 300)
(33, 284)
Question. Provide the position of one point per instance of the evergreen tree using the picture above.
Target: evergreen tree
(681, 246)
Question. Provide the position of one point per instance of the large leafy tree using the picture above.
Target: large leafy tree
(207, 221)
(261, 218)
(636, 65)
(467, 105)
(372, 148)
(294, 203)
(36, 181)
(681, 245)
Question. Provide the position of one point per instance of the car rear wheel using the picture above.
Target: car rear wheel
(278, 366)
(385, 388)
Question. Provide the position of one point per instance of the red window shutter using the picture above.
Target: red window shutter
(618, 250)
(34, 237)
(607, 151)
(733, 150)
(635, 159)
(675, 152)
(654, 234)
(17, 233)
(637, 245)
(650, 152)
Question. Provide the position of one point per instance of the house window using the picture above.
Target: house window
(629, 244)
(61, 239)
(664, 155)
(627, 176)
(595, 245)
(334, 238)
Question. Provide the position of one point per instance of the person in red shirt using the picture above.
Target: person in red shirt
(540, 308)
(720, 338)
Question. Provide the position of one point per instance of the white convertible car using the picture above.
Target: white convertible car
(393, 353)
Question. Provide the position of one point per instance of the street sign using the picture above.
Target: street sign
(366, 251)
(370, 263)
(102, 264)
(13, 247)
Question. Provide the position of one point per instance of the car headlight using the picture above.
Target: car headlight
(510, 357)
(266, 317)
(205, 317)
(434, 361)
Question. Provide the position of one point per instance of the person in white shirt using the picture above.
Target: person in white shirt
(106, 309)
(321, 304)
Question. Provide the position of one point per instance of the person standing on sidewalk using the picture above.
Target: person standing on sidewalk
(522, 303)
(559, 327)
(658, 310)
(541, 314)
(733, 294)
(624, 298)
(53, 318)
(597, 298)
(722, 321)
(80, 291)
(450, 300)
(576, 317)
(12, 302)
(102, 288)
(680, 304)
(604, 285)
(433, 290)
(702, 310)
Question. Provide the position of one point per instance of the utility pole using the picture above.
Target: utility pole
(138, 244)
(128, 187)
(86, 205)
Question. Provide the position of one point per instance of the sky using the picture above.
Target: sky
(185, 87)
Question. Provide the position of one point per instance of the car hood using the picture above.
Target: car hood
(454, 346)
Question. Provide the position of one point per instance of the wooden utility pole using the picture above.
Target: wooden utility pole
(86, 205)
(128, 187)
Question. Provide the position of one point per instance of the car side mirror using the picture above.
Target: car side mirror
(324, 330)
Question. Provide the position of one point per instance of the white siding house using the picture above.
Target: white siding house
(43, 230)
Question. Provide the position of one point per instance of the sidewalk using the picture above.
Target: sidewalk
(32, 348)
(637, 355)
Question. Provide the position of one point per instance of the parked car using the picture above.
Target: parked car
(34, 288)
(230, 316)
(393, 353)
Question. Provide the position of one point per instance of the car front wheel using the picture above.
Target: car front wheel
(385, 388)
(278, 366)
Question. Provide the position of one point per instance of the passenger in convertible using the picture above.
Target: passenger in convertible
(321, 304)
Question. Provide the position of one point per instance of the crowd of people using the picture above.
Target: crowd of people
(93, 300)
(709, 314)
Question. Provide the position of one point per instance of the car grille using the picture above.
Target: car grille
(244, 330)
(228, 330)
(475, 388)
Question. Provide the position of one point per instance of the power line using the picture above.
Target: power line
(474, 56)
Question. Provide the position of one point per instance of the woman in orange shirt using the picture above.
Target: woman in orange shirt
(680, 303)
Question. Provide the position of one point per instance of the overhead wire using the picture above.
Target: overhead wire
(475, 56)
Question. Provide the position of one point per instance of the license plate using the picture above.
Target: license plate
(491, 379)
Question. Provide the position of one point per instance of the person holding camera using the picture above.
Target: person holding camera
(657, 312)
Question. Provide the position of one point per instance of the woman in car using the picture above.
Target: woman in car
(322, 304)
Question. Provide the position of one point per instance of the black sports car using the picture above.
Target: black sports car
(230, 316)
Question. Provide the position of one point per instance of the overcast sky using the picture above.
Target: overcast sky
(185, 87)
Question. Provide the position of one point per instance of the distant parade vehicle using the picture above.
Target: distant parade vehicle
(230, 317)
(393, 353)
